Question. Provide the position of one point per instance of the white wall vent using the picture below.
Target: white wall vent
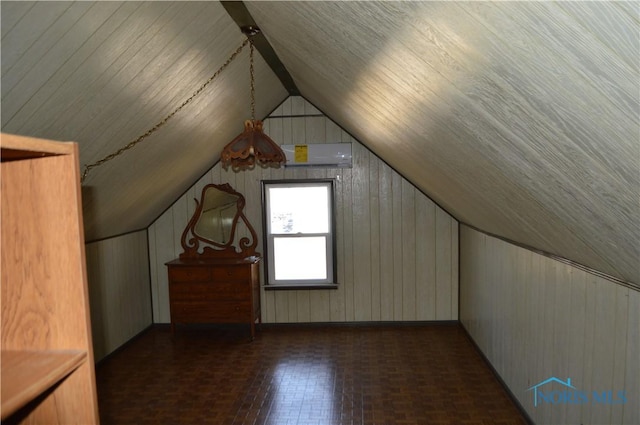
(319, 155)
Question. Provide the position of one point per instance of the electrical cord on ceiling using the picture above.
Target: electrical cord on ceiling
(153, 129)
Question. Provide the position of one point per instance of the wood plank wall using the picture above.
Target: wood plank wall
(119, 290)
(397, 251)
(534, 317)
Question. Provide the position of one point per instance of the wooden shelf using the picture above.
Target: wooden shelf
(18, 147)
(27, 374)
(47, 368)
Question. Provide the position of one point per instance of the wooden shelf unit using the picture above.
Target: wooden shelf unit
(32, 373)
(47, 359)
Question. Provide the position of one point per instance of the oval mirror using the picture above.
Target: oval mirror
(218, 216)
(216, 222)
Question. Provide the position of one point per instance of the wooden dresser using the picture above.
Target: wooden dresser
(213, 281)
(215, 291)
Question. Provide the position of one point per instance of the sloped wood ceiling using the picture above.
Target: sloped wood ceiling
(103, 73)
(519, 118)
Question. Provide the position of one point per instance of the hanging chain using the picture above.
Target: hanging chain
(253, 88)
(168, 117)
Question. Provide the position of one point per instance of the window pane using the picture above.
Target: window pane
(299, 209)
(300, 258)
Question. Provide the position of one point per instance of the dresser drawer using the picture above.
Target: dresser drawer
(213, 291)
(203, 312)
(231, 273)
(189, 274)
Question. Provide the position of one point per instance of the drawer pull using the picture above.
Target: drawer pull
(189, 274)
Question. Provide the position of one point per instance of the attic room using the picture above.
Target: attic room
(492, 194)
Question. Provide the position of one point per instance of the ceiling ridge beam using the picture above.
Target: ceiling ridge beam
(240, 14)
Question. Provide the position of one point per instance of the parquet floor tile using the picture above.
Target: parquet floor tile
(303, 375)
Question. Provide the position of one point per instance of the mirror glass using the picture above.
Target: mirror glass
(218, 217)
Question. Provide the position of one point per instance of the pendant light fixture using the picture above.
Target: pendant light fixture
(252, 146)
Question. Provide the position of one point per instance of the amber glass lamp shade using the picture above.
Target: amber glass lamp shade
(250, 147)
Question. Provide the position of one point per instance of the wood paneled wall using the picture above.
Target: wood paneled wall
(119, 290)
(534, 317)
(397, 251)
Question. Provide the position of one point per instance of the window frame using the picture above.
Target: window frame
(269, 281)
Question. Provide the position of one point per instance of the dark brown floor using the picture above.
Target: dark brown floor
(307, 375)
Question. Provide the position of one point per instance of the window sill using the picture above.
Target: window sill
(298, 286)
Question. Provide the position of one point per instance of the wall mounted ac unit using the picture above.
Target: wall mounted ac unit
(328, 155)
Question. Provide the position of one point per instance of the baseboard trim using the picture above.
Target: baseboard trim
(498, 377)
(126, 343)
(317, 324)
(363, 324)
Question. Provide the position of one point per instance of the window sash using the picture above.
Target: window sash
(276, 274)
(282, 271)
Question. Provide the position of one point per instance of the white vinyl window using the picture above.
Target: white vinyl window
(299, 233)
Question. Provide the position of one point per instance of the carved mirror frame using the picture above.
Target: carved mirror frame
(192, 241)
